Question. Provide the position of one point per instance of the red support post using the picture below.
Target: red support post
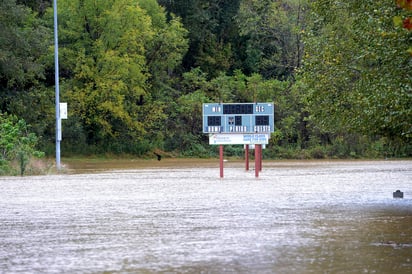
(221, 160)
(247, 157)
(261, 157)
(257, 160)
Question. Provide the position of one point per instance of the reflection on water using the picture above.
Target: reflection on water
(297, 217)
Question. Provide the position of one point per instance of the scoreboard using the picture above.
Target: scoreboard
(238, 118)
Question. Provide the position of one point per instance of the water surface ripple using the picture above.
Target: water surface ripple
(297, 217)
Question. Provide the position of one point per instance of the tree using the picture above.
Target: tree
(16, 143)
(213, 33)
(39, 6)
(166, 50)
(272, 32)
(356, 70)
(23, 41)
(108, 50)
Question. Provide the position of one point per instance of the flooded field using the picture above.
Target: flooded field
(180, 217)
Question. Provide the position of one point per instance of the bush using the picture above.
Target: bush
(16, 144)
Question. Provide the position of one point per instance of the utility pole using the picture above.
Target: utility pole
(56, 76)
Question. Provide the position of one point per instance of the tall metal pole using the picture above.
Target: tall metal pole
(56, 76)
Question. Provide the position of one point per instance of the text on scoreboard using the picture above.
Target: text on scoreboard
(238, 118)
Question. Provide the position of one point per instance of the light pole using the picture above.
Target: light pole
(56, 76)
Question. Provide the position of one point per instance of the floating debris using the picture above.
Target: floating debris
(398, 194)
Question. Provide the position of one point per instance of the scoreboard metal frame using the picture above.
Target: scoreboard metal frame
(224, 118)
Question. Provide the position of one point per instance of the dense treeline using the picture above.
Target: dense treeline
(135, 73)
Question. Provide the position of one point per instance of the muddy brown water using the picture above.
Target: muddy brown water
(178, 216)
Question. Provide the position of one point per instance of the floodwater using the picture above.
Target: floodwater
(297, 217)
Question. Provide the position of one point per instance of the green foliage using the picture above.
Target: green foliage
(38, 6)
(166, 50)
(357, 71)
(213, 34)
(107, 43)
(183, 130)
(111, 52)
(136, 72)
(236, 88)
(23, 40)
(23, 44)
(271, 29)
(16, 143)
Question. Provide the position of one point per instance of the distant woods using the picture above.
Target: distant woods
(136, 72)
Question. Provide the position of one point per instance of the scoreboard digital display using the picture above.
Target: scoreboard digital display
(238, 118)
(238, 109)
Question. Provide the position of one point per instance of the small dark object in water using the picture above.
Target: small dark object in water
(398, 194)
(159, 157)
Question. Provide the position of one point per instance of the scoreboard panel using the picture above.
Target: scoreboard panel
(238, 118)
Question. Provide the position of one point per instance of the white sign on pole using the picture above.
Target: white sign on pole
(63, 110)
(238, 139)
(253, 146)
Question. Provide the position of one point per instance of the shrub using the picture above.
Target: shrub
(16, 144)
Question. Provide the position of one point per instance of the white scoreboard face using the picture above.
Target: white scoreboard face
(238, 118)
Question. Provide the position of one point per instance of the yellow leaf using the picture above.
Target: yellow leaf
(397, 21)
